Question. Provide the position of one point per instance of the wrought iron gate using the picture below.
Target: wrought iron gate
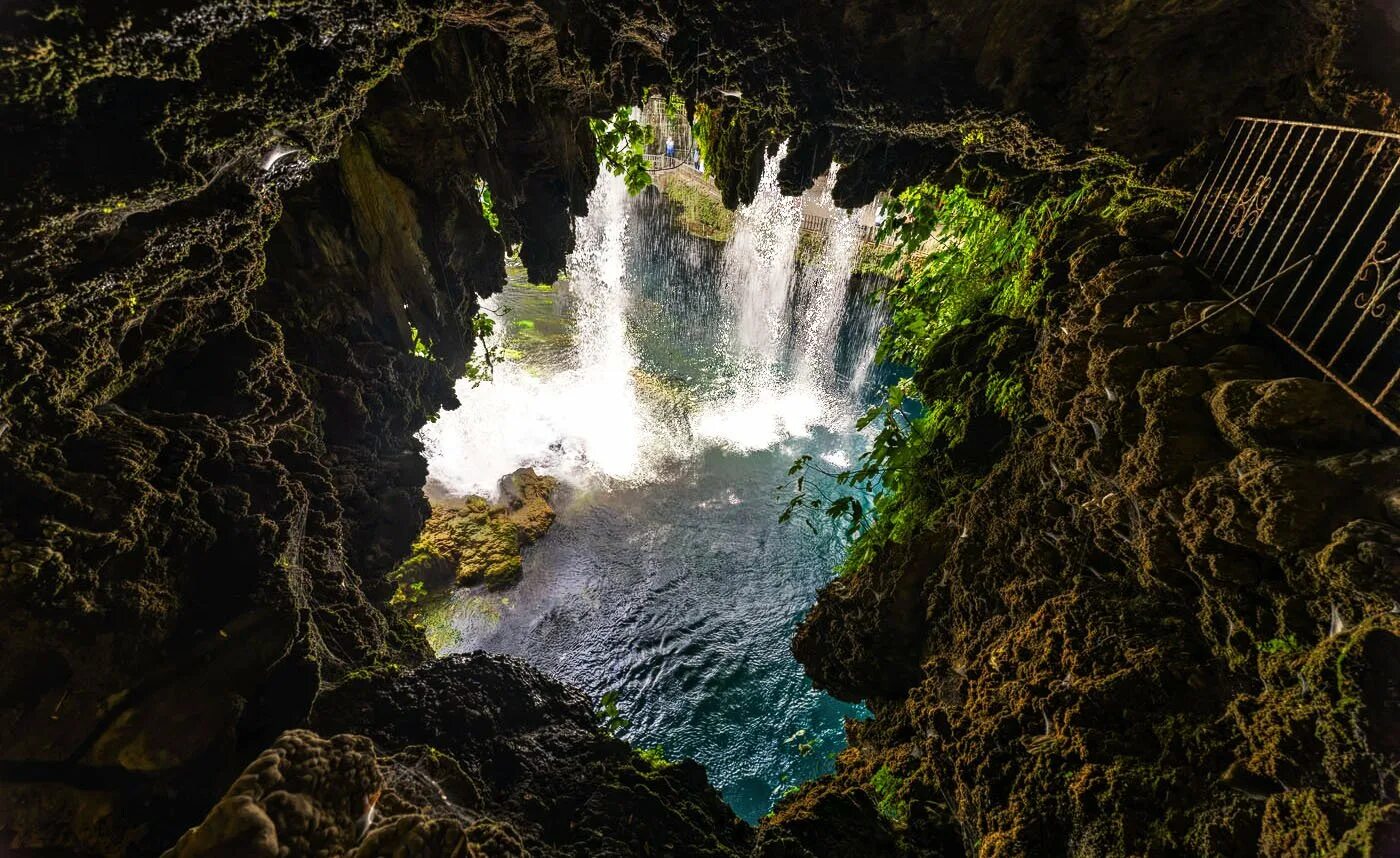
(1297, 222)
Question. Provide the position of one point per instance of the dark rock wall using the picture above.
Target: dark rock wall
(224, 226)
(492, 758)
(1163, 623)
(221, 251)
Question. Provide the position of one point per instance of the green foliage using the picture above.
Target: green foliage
(484, 353)
(700, 210)
(982, 256)
(1006, 394)
(421, 348)
(621, 147)
(488, 205)
(674, 107)
(655, 757)
(409, 594)
(1275, 646)
(609, 716)
(886, 786)
(702, 131)
(961, 260)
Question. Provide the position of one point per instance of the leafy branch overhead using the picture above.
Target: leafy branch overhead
(621, 148)
(965, 278)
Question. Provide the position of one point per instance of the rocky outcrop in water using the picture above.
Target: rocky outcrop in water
(1163, 621)
(473, 541)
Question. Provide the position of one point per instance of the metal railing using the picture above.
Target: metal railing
(1298, 223)
(660, 162)
(821, 225)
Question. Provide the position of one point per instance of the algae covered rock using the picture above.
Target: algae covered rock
(474, 541)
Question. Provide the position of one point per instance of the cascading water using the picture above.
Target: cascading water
(760, 262)
(822, 303)
(582, 422)
(670, 382)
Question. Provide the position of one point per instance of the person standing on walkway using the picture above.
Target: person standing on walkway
(670, 147)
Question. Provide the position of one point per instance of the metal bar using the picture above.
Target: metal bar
(1237, 233)
(1198, 204)
(1226, 226)
(1249, 209)
(1316, 208)
(1268, 204)
(1384, 280)
(1341, 216)
(1211, 213)
(1294, 216)
(1386, 392)
(1370, 406)
(1342, 255)
(1220, 206)
(1268, 121)
(1377, 347)
(1206, 317)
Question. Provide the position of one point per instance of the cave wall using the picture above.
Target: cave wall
(1164, 621)
(225, 225)
(210, 385)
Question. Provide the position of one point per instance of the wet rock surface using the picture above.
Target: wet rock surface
(473, 541)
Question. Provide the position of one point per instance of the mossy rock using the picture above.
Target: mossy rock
(474, 541)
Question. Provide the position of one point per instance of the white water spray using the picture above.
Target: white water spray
(582, 423)
(585, 420)
(821, 302)
(759, 262)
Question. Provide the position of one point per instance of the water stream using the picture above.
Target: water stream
(669, 382)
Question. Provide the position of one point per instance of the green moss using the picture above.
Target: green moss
(699, 209)
(655, 757)
(888, 788)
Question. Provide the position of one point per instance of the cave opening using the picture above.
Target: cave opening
(400, 455)
(664, 386)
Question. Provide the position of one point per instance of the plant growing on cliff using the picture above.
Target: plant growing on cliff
(701, 131)
(959, 256)
(421, 347)
(484, 352)
(488, 205)
(621, 147)
(610, 718)
(983, 258)
(655, 757)
(886, 786)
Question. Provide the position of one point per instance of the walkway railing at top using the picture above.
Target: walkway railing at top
(1297, 222)
(821, 225)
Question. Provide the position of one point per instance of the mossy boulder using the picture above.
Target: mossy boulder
(474, 541)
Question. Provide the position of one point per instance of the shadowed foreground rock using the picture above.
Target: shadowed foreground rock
(471, 755)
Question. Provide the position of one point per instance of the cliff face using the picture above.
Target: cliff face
(226, 236)
(242, 250)
(1164, 622)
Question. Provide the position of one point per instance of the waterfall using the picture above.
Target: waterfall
(759, 263)
(583, 422)
(822, 299)
(670, 347)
